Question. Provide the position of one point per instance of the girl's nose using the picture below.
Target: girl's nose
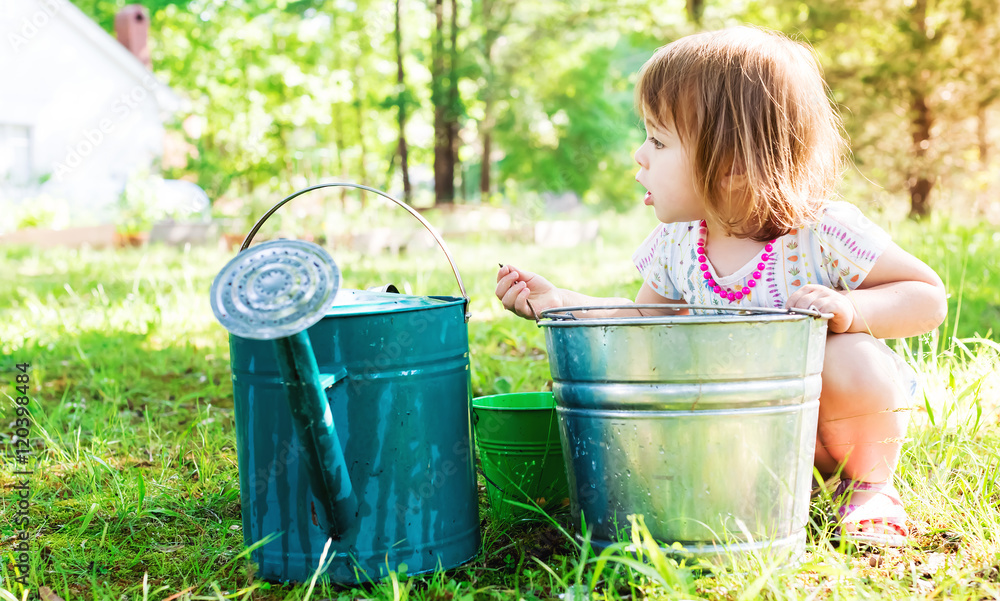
(640, 156)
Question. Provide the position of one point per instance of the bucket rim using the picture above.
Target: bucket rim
(516, 401)
(563, 317)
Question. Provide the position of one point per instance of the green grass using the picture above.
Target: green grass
(135, 492)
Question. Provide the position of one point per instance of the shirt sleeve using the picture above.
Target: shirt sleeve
(652, 258)
(850, 243)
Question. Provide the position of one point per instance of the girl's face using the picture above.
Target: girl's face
(666, 172)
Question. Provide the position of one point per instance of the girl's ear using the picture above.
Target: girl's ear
(735, 178)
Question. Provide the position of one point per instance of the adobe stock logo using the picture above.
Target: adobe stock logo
(30, 25)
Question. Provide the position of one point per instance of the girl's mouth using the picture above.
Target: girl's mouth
(648, 200)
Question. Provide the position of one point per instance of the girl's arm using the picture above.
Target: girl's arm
(901, 296)
(528, 294)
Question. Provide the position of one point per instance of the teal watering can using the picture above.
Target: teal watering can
(353, 416)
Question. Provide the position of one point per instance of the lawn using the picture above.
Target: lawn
(135, 491)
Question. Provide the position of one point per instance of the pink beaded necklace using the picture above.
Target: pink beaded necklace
(737, 293)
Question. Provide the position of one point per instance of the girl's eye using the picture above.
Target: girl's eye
(656, 143)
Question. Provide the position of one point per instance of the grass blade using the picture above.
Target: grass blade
(86, 519)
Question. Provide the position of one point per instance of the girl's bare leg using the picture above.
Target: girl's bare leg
(863, 411)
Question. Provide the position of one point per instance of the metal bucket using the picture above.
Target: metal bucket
(703, 424)
(394, 373)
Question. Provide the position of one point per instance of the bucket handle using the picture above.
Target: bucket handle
(566, 313)
(437, 237)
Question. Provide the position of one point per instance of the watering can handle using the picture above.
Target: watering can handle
(409, 209)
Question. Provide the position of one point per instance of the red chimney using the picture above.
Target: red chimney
(132, 30)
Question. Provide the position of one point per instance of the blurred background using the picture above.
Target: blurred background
(120, 120)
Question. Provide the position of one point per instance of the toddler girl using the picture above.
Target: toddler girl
(742, 152)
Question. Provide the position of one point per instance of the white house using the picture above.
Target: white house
(79, 112)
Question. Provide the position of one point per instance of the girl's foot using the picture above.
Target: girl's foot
(870, 513)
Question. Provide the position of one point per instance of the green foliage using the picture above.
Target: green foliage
(581, 141)
(103, 11)
(40, 212)
(266, 86)
(137, 207)
(289, 93)
(968, 260)
(883, 61)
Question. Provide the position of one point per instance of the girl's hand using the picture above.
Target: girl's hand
(516, 288)
(825, 300)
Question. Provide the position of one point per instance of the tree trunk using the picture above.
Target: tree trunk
(401, 99)
(359, 103)
(444, 186)
(484, 172)
(921, 180)
(695, 9)
(982, 133)
(491, 32)
(341, 164)
(453, 108)
(338, 126)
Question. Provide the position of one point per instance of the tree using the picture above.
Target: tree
(285, 94)
(454, 109)
(493, 18)
(920, 181)
(911, 75)
(556, 99)
(695, 11)
(444, 97)
(401, 103)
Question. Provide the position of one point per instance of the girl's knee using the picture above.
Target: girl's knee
(859, 364)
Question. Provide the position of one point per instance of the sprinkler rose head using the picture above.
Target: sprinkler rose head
(275, 289)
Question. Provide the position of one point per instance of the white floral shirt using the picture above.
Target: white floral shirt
(837, 252)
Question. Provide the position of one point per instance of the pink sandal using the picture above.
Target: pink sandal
(884, 508)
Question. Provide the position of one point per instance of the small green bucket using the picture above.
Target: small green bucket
(519, 448)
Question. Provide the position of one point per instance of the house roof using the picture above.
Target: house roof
(105, 42)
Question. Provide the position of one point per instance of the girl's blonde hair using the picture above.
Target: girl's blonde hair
(750, 102)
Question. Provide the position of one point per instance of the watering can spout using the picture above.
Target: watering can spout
(313, 422)
(276, 291)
